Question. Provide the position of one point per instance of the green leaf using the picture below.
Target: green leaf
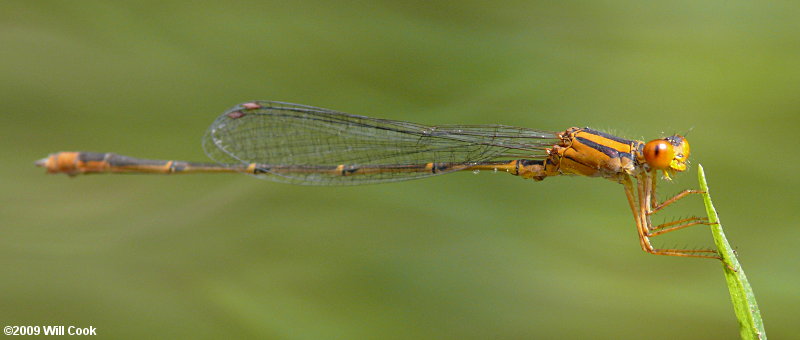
(744, 302)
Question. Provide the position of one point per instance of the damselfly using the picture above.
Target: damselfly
(308, 145)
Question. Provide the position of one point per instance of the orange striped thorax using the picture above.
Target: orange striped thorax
(592, 153)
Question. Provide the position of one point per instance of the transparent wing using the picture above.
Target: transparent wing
(305, 145)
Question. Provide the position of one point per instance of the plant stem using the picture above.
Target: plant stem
(744, 302)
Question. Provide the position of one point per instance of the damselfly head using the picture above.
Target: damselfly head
(669, 154)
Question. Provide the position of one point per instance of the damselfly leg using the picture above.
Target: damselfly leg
(643, 205)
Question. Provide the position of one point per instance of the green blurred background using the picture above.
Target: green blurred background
(454, 257)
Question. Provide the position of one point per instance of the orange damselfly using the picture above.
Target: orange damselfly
(308, 145)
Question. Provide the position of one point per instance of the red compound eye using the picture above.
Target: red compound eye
(658, 154)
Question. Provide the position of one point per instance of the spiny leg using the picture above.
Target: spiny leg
(685, 253)
(690, 253)
(646, 189)
(637, 215)
(671, 226)
(658, 206)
